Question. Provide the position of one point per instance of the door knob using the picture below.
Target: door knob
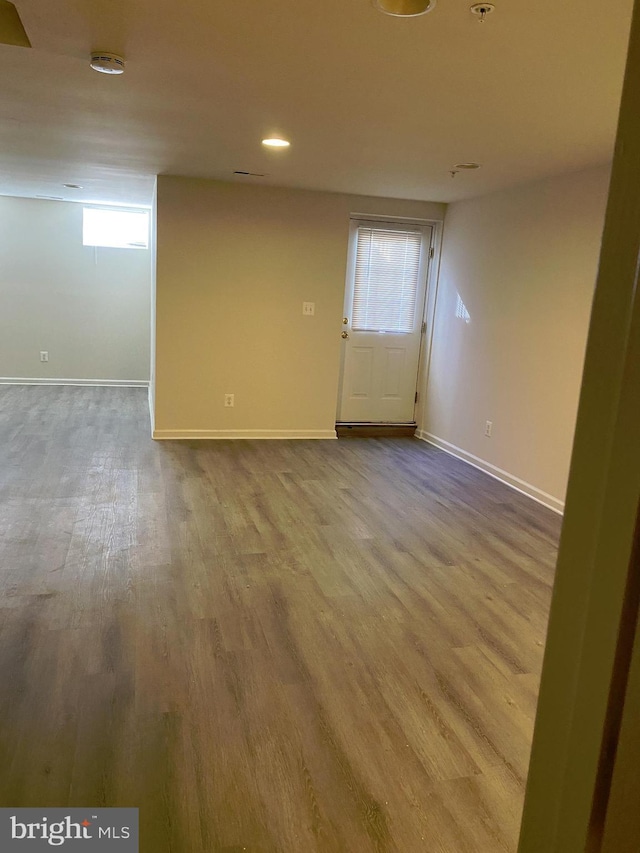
(344, 335)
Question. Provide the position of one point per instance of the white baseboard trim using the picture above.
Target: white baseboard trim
(162, 434)
(493, 471)
(152, 412)
(119, 383)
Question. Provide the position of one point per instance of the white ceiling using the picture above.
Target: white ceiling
(372, 104)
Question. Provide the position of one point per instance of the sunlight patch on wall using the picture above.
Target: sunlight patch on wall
(461, 310)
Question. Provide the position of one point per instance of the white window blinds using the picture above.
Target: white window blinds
(386, 280)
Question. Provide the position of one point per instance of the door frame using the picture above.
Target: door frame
(429, 307)
(580, 773)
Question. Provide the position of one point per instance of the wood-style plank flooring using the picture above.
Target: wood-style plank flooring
(289, 646)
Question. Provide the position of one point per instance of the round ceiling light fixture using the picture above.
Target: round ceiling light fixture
(106, 62)
(276, 142)
(73, 186)
(404, 8)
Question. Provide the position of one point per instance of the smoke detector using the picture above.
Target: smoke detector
(106, 62)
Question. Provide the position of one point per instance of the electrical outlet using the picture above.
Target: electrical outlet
(44, 355)
(488, 426)
(229, 400)
(308, 308)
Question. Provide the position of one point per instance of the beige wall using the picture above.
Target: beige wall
(234, 265)
(88, 308)
(524, 262)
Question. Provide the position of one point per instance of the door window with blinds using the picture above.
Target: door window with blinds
(386, 278)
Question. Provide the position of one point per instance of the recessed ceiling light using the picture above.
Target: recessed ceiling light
(467, 166)
(276, 143)
(106, 62)
(404, 8)
(73, 186)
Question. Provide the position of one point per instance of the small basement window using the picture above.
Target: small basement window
(115, 229)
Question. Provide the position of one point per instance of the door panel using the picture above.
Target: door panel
(361, 376)
(393, 372)
(381, 356)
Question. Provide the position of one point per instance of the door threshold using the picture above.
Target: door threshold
(350, 429)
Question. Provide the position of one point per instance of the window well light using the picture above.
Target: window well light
(115, 229)
(275, 142)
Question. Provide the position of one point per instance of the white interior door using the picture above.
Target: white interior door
(384, 308)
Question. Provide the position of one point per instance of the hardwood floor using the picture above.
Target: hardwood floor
(265, 646)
